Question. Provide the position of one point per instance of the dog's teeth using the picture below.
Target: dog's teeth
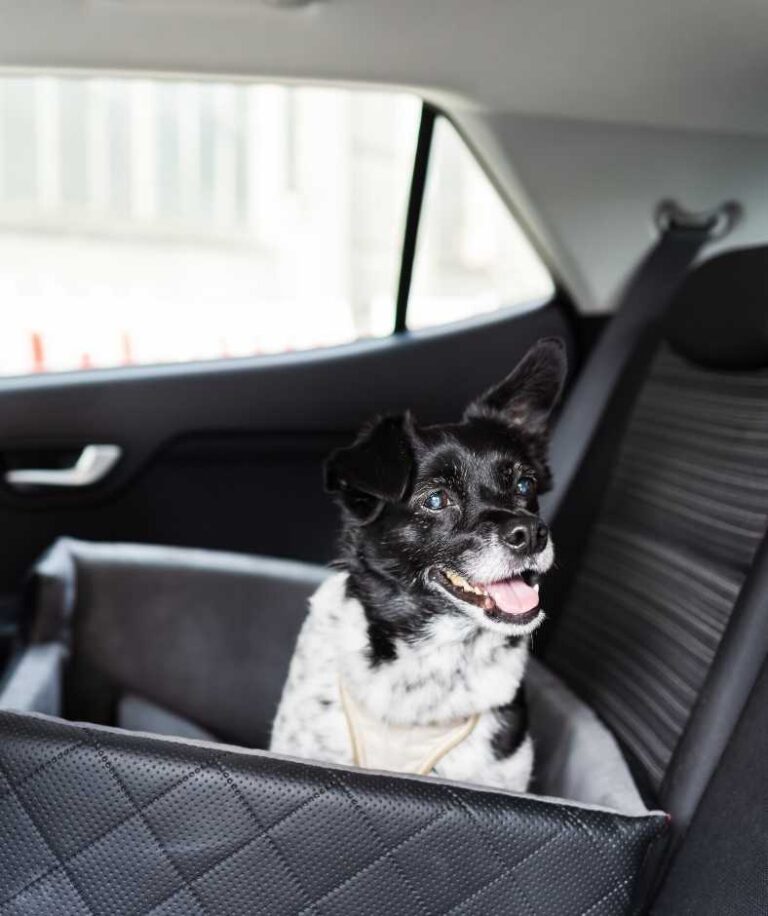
(461, 582)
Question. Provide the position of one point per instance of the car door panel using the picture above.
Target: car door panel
(228, 454)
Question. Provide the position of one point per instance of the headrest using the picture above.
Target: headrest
(719, 316)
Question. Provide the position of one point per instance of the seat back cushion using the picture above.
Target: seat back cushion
(684, 512)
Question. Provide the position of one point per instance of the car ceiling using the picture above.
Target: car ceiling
(587, 111)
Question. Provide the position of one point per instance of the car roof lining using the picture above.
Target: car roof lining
(681, 65)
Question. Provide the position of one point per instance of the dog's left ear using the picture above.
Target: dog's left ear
(375, 470)
(527, 395)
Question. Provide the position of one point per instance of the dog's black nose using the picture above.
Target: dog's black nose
(528, 536)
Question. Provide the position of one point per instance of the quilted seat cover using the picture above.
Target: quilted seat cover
(98, 821)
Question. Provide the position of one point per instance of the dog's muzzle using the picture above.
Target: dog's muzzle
(526, 535)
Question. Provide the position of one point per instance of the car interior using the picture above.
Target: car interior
(232, 232)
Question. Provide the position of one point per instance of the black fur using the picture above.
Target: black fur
(513, 726)
(390, 539)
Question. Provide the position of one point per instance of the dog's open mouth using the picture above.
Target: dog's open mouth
(514, 600)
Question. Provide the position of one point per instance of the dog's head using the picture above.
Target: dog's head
(446, 517)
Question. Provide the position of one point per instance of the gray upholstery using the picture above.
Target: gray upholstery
(576, 757)
(685, 511)
(35, 681)
(134, 713)
(207, 636)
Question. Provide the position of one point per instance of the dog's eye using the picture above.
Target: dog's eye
(436, 500)
(525, 486)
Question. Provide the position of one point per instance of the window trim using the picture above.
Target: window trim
(429, 116)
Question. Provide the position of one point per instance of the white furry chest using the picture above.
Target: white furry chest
(455, 675)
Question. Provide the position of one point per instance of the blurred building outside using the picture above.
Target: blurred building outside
(151, 221)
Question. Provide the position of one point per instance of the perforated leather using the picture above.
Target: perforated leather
(96, 821)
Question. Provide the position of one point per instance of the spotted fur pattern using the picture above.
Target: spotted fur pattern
(455, 671)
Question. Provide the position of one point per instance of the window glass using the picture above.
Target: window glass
(150, 221)
(471, 256)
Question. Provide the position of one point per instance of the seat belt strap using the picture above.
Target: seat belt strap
(646, 299)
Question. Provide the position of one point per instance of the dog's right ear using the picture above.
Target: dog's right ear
(375, 470)
(526, 397)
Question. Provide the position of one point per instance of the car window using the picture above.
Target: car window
(471, 256)
(150, 221)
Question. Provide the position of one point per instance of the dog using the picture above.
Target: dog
(412, 656)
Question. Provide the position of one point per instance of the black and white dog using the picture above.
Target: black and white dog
(412, 656)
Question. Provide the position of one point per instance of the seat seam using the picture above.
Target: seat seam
(492, 846)
(41, 768)
(380, 858)
(98, 839)
(238, 849)
(507, 872)
(377, 836)
(47, 843)
(599, 848)
(619, 887)
(142, 816)
(280, 854)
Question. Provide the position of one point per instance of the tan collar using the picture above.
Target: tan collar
(400, 748)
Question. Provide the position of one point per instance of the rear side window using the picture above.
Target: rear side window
(472, 256)
(156, 221)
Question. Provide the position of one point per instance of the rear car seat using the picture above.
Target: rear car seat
(683, 513)
(660, 630)
(663, 626)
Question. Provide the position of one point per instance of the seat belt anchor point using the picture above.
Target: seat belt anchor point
(671, 217)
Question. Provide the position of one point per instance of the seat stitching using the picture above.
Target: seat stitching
(600, 848)
(375, 833)
(508, 870)
(380, 858)
(41, 768)
(209, 868)
(46, 842)
(98, 839)
(141, 813)
(277, 850)
(492, 846)
(63, 863)
(619, 887)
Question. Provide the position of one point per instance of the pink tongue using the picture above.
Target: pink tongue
(513, 596)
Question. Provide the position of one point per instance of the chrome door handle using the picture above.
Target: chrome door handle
(94, 463)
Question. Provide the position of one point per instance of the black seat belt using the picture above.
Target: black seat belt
(645, 300)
